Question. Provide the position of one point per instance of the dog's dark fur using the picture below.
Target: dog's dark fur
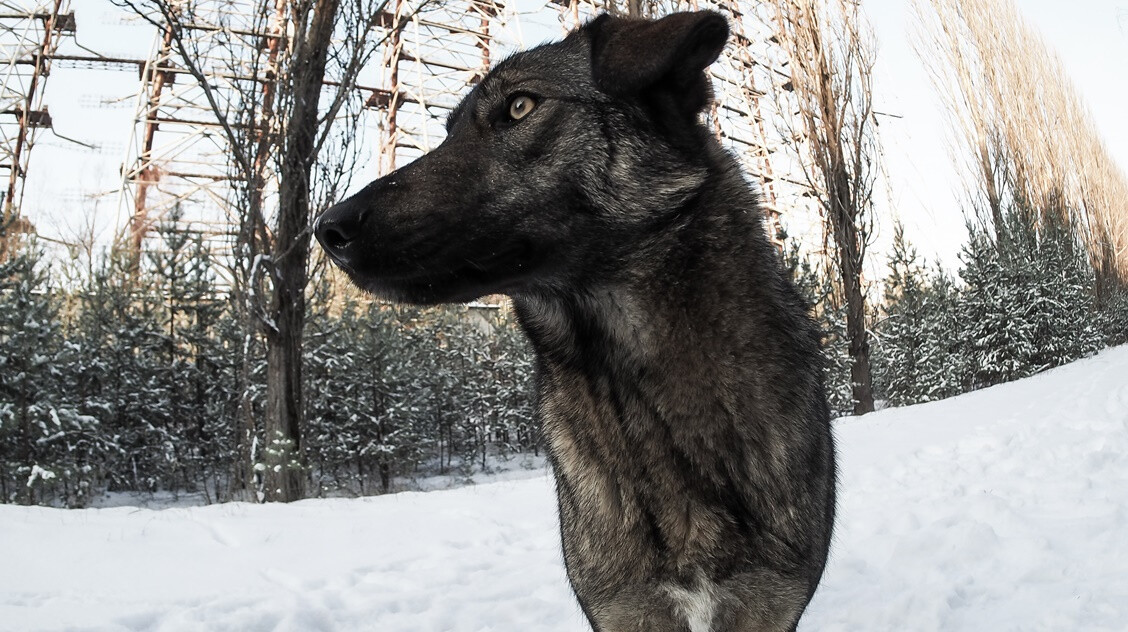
(679, 374)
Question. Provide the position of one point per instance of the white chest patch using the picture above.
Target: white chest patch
(698, 606)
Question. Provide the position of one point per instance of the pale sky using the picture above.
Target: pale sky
(70, 186)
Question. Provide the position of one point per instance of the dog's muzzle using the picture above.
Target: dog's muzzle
(339, 229)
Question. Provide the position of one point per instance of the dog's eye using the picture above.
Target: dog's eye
(520, 107)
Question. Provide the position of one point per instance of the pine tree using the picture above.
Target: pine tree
(211, 367)
(902, 333)
(511, 373)
(1028, 302)
(330, 365)
(371, 371)
(233, 433)
(122, 372)
(1114, 317)
(817, 289)
(48, 450)
(921, 354)
(185, 290)
(946, 364)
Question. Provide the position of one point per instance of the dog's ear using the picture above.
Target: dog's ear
(670, 55)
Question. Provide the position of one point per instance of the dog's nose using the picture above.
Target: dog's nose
(338, 228)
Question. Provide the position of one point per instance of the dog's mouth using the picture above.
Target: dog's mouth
(452, 278)
(511, 256)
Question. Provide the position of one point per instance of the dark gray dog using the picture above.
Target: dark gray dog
(679, 375)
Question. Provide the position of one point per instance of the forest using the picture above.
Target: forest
(161, 365)
(135, 382)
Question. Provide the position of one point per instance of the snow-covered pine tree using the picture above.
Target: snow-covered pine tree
(212, 366)
(1063, 296)
(1114, 317)
(901, 334)
(467, 394)
(48, 451)
(493, 391)
(511, 369)
(998, 335)
(371, 371)
(184, 283)
(176, 409)
(945, 365)
(919, 358)
(1028, 302)
(122, 374)
(334, 393)
(817, 288)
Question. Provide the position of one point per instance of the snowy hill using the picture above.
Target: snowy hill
(1005, 509)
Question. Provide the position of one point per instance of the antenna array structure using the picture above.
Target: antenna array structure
(752, 82)
(178, 155)
(434, 52)
(178, 152)
(30, 33)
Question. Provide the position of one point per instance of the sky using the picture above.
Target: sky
(71, 187)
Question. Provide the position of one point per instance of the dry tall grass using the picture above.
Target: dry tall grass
(1024, 124)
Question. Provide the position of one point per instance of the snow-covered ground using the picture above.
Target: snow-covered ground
(1005, 509)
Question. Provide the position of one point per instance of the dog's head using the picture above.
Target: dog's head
(554, 166)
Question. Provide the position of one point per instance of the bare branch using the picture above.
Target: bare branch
(1026, 127)
(831, 62)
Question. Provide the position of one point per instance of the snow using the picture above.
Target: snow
(1004, 509)
(38, 472)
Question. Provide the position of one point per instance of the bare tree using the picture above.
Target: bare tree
(831, 56)
(289, 113)
(1025, 126)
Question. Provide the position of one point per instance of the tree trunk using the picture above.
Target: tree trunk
(832, 82)
(385, 477)
(861, 377)
(25, 456)
(848, 246)
(284, 476)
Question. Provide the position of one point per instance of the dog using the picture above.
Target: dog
(679, 374)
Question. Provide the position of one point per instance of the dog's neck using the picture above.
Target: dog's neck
(671, 298)
(699, 344)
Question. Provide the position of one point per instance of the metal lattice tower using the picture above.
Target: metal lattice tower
(30, 33)
(748, 78)
(178, 155)
(434, 53)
